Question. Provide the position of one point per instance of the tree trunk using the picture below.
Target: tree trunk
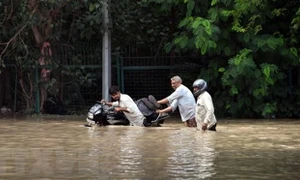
(5, 90)
(41, 33)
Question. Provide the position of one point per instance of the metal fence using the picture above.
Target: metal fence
(78, 74)
(142, 76)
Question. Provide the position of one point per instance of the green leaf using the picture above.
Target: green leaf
(213, 14)
(266, 71)
(233, 90)
(204, 48)
(212, 44)
(197, 23)
(221, 69)
(184, 22)
(213, 2)
(271, 43)
(206, 24)
(168, 47)
(181, 41)
(227, 13)
(190, 7)
(270, 81)
(294, 51)
(92, 7)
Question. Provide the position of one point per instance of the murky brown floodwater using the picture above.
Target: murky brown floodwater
(61, 148)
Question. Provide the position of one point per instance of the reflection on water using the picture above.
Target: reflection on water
(192, 156)
(62, 148)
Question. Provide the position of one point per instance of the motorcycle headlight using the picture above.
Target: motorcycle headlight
(90, 116)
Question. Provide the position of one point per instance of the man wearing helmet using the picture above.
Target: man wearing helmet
(182, 98)
(205, 116)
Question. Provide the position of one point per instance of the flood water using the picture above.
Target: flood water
(58, 147)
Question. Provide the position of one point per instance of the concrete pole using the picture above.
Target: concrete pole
(106, 51)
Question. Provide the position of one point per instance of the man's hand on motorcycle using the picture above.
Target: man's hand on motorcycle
(103, 101)
(118, 109)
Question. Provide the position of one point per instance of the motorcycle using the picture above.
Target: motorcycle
(103, 115)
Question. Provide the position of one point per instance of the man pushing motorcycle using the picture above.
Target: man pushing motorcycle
(124, 103)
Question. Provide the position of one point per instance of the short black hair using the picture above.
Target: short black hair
(113, 90)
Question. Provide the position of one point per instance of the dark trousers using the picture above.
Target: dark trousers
(213, 128)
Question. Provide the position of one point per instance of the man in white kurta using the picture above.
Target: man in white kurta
(205, 116)
(125, 104)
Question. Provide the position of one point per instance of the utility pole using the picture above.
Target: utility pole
(106, 51)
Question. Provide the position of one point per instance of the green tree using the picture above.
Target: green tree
(250, 46)
(28, 26)
(28, 30)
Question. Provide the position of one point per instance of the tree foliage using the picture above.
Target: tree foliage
(251, 48)
(252, 51)
(27, 25)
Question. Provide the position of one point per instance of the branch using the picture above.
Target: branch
(18, 32)
(10, 14)
(8, 43)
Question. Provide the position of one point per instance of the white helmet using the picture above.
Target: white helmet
(201, 85)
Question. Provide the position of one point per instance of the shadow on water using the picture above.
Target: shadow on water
(60, 147)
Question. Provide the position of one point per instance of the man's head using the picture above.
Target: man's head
(199, 86)
(114, 92)
(175, 82)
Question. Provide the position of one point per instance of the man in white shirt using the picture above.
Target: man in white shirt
(182, 98)
(124, 103)
(205, 116)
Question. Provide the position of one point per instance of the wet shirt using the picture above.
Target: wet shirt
(134, 115)
(205, 110)
(183, 98)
